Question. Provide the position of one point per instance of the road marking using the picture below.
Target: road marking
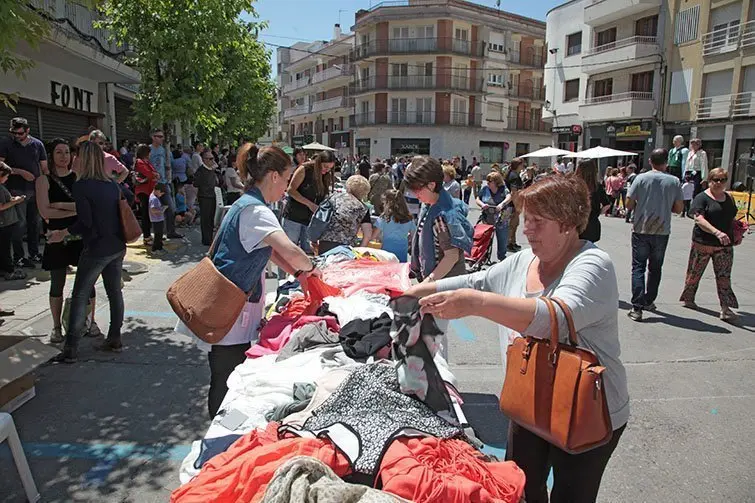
(462, 331)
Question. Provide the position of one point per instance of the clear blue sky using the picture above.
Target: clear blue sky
(309, 20)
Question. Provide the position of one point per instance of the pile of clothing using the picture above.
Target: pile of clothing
(345, 397)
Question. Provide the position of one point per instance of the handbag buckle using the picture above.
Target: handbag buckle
(553, 358)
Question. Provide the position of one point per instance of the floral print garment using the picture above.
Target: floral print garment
(350, 212)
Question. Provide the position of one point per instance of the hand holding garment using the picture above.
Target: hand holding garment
(307, 480)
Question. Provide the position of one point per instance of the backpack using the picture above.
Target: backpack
(321, 219)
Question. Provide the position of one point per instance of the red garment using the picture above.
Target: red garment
(145, 169)
(315, 291)
(367, 275)
(430, 470)
(277, 332)
(242, 473)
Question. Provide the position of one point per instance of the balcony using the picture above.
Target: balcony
(426, 118)
(329, 104)
(532, 59)
(527, 92)
(296, 111)
(415, 82)
(399, 46)
(519, 122)
(296, 85)
(729, 39)
(619, 54)
(726, 107)
(599, 12)
(331, 73)
(633, 104)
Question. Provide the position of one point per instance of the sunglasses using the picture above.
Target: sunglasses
(718, 180)
(158, 136)
(17, 133)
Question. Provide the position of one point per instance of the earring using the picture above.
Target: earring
(567, 232)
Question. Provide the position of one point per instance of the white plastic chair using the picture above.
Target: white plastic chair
(8, 432)
(220, 208)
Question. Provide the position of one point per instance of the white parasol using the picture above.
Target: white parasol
(548, 152)
(317, 146)
(600, 153)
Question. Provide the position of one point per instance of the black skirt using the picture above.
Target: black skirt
(61, 255)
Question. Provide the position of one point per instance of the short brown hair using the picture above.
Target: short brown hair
(422, 171)
(563, 199)
(717, 172)
(495, 178)
(516, 162)
(143, 151)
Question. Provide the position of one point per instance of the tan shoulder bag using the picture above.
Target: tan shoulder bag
(556, 390)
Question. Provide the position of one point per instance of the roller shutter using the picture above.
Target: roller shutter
(28, 112)
(57, 124)
(124, 128)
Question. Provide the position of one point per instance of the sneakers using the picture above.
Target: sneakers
(37, 259)
(56, 336)
(67, 356)
(727, 315)
(93, 330)
(689, 304)
(651, 307)
(111, 345)
(635, 314)
(25, 263)
(17, 274)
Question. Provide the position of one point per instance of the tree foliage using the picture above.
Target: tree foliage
(200, 64)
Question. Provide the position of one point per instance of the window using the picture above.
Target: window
(642, 82)
(602, 88)
(574, 44)
(424, 111)
(522, 149)
(495, 47)
(606, 37)
(365, 108)
(426, 31)
(685, 26)
(681, 86)
(398, 110)
(492, 151)
(400, 69)
(459, 111)
(365, 74)
(496, 111)
(725, 35)
(646, 27)
(571, 90)
(428, 70)
(495, 79)
(461, 34)
(401, 32)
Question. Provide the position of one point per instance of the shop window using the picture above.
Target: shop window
(571, 90)
(492, 151)
(522, 148)
(574, 44)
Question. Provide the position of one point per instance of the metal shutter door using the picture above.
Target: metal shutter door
(124, 129)
(28, 112)
(57, 124)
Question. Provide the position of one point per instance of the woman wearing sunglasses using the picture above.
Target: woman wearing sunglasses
(714, 211)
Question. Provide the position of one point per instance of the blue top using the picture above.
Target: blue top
(157, 156)
(26, 157)
(102, 235)
(179, 168)
(396, 236)
(181, 203)
(487, 197)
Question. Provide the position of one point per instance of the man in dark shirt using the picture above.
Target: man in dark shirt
(515, 184)
(27, 158)
(364, 167)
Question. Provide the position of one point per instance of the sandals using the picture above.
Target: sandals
(57, 336)
(727, 315)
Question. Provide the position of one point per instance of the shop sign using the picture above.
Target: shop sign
(635, 130)
(70, 96)
(410, 145)
(611, 131)
(575, 130)
(363, 142)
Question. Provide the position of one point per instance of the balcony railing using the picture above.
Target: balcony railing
(632, 95)
(329, 104)
(297, 84)
(729, 39)
(397, 46)
(297, 110)
(533, 59)
(527, 92)
(331, 73)
(415, 118)
(525, 122)
(410, 82)
(728, 106)
(617, 44)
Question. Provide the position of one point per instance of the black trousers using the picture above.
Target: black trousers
(207, 206)
(7, 234)
(144, 215)
(158, 227)
(576, 477)
(223, 359)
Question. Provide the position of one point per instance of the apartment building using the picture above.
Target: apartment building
(447, 77)
(313, 80)
(603, 77)
(78, 80)
(711, 86)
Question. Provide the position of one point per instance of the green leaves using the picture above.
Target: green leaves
(200, 63)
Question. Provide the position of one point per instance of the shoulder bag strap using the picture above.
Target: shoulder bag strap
(569, 319)
(553, 324)
(60, 184)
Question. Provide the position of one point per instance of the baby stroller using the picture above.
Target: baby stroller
(482, 247)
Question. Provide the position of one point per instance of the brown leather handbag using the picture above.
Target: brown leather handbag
(129, 224)
(556, 390)
(206, 301)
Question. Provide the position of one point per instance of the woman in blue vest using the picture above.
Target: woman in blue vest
(249, 237)
(443, 233)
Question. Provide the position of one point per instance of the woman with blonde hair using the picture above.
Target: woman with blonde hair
(98, 223)
(449, 181)
(350, 215)
(714, 212)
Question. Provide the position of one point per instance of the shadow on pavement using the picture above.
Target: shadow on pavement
(113, 422)
(484, 415)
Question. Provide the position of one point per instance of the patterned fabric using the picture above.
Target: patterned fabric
(308, 480)
(723, 258)
(343, 227)
(415, 343)
(367, 412)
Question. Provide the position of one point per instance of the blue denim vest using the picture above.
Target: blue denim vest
(232, 260)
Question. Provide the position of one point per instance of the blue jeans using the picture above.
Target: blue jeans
(502, 239)
(298, 234)
(87, 272)
(648, 251)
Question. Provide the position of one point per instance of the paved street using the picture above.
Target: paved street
(114, 428)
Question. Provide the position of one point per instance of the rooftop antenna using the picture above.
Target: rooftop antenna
(339, 14)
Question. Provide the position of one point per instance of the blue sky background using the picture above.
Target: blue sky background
(309, 20)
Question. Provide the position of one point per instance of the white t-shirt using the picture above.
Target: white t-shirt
(688, 190)
(230, 175)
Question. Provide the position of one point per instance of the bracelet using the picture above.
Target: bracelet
(299, 272)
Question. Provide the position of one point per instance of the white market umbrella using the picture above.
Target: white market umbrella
(548, 152)
(600, 153)
(317, 146)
